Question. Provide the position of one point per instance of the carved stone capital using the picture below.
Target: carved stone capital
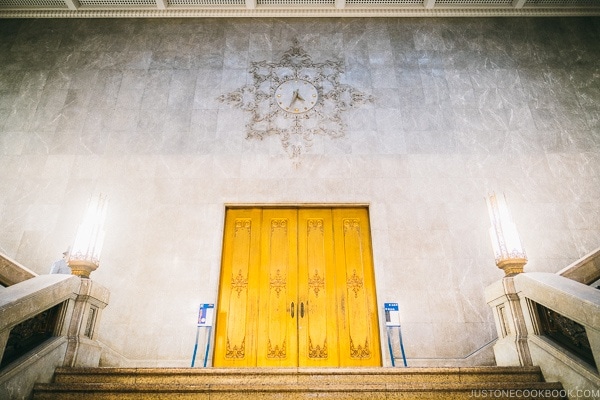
(82, 268)
(512, 266)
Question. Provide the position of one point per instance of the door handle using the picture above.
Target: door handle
(292, 310)
(301, 310)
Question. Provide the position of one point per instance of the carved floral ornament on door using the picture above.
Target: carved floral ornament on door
(296, 99)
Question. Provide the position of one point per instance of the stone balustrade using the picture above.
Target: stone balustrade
(519, 305)
(78, 304)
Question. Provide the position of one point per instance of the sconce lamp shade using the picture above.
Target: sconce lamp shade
(85, 253)
(508, 250)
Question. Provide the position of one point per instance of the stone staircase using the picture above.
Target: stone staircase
(293, 383)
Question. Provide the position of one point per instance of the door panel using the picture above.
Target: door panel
(358, 333)
(317, 326)
(297, 289)
(278, 288)
(238, 302)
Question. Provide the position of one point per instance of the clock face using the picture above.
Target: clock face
(296, 96)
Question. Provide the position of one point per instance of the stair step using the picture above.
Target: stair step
(296, 384)
(269, 376)
(268, 392)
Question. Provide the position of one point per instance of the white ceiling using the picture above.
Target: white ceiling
(294, 8)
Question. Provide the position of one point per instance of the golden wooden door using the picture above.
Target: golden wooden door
(297, 289)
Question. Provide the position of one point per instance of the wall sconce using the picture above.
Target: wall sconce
(508, 249)
(85, 252)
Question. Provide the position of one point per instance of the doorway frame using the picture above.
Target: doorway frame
(218, 269)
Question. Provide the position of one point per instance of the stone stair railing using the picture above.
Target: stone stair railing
(585, 270)
(552, 321)
(11, 272)
(46, 321)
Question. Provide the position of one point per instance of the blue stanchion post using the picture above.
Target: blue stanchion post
(402, 347)
(205, 320)
(390, 347)
(195, 346)
(207, 346)
(392, 320)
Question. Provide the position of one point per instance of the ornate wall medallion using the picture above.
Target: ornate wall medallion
(296, 99)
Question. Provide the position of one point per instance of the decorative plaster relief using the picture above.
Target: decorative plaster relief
(279, 104)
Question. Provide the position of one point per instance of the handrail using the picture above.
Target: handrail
(11, 272)
(572, 299)
(586, 270)
(20, 302)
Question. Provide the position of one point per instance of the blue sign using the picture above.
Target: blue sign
(392, 314)
(205, 315)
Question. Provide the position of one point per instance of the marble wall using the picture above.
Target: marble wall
(461, 106)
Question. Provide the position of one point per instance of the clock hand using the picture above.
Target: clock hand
(294, 97)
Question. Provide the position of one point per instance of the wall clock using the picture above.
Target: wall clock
(296, 96)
